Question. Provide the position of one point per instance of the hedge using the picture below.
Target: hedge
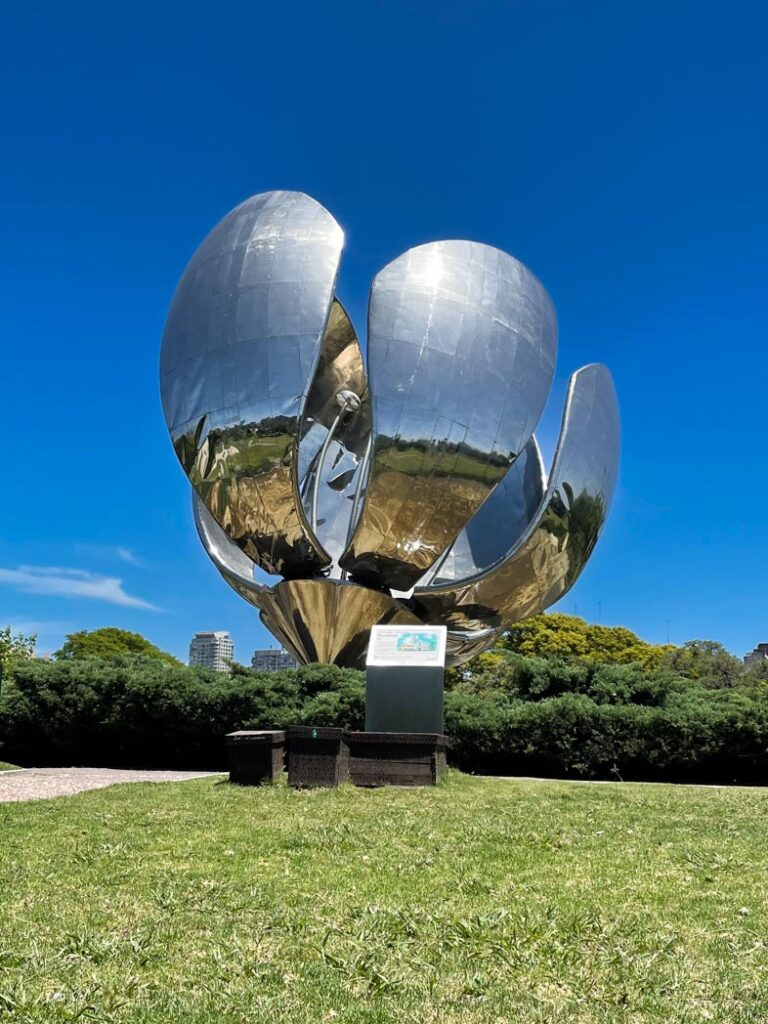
(522, 716)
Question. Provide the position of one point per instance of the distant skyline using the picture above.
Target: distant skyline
(619, 151)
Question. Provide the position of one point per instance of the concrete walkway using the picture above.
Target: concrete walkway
(44, 783)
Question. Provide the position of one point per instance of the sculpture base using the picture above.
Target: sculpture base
(317, 756)
(255, 757)
(397, 758)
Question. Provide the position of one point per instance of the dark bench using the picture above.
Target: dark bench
(255, 756)
(397, 758)
(317, 756)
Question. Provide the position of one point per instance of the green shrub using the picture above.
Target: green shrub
(511, 715)
(141, 712)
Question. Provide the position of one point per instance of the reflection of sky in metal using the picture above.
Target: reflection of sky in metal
(432, 477)
(498, 523)
(240, 348)
(236, 568)
(461, 351)
(549, 557)
(340, 370)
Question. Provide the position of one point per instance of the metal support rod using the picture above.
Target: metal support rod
(358, 491)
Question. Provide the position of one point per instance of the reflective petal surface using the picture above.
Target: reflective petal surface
(328, 479)
(461, 647)
(408, 490)
(462, 340)
(240, 349)
(234, 566)
(498, 524)
(550, 556)
(324, 620)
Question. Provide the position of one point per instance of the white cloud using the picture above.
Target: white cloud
(63, 582)
(126, 555)
(112, 551)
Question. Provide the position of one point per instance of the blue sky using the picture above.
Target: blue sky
(620, 150)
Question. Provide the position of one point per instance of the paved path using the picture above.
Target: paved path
(43, 783)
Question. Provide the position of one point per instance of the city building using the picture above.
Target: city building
(212, 650)
(757, 657)
(273, 659)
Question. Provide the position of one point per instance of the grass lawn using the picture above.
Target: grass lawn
(5, 767)
(482, 900)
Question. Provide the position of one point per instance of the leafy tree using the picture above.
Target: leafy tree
(755, 674)
(707, 661)
(110, 642)
(14, 645)
(569, 637)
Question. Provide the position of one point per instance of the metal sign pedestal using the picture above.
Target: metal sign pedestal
(403, 742)
(405, 698)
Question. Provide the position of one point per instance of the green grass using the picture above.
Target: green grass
(5, 767)
(483, 900)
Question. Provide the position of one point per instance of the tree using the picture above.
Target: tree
(567, 636)
(110, 642)
(14, 645)
(707, 661)
(755, 674)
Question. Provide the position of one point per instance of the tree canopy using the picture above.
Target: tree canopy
(570, 638)
(110, 642)
(14, 645)
(567, 636)
(709, 662)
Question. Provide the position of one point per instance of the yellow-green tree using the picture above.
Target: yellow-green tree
(567, 636)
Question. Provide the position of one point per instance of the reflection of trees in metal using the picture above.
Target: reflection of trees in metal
(241, 348)
(326, 620)
(461, 355)
(548, 558)
(432, 478)
(498, 523)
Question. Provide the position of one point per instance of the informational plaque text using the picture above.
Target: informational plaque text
(406, 645)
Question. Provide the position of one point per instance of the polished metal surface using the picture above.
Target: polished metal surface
(498, 523)
(462, 341)
(549, 557)
(463, 646)
(234, 566)
(411, 493)
(335, 434)
(240, 349)
(325, 620)
(317, 620)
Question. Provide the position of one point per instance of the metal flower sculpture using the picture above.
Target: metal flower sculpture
(406, 490)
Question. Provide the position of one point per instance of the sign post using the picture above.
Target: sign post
(404, 676)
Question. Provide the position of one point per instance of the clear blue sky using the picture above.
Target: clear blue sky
(619, 149)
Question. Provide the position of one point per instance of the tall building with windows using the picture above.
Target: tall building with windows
(212, 650)
(757, 657)
(273, 659)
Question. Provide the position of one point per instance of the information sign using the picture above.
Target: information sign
(407, 645)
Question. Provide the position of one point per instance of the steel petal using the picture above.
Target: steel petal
(462, 341)
(550, 556)
(240, 349)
